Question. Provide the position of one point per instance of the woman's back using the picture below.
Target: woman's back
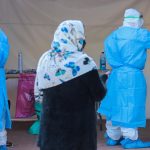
(69, 116)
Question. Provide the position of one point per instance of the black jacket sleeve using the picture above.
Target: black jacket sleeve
(95, 85)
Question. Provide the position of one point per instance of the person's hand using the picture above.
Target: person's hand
(108, 73)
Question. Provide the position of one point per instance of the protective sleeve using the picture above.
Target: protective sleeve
(148, 40)
(4, 48)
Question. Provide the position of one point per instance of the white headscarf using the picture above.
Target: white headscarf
(65, 60)
(133, 18)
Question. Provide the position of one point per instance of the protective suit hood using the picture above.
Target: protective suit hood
(133, 18)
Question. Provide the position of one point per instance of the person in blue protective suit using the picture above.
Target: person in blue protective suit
(124, 103)
(5, 121)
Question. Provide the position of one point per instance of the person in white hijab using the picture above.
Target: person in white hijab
(68, 85)
(125, 101)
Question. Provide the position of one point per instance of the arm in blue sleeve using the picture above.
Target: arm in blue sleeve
(148, 41)
(4, 48)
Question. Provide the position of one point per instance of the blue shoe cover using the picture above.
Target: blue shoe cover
(129, 144)
(111, 142)
(3, 147)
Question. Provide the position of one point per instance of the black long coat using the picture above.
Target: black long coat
(68, 119)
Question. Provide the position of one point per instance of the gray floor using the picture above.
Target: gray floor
(20, 137)
(24, 141)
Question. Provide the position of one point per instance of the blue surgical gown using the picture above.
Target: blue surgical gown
(5, 121)
(125, 101)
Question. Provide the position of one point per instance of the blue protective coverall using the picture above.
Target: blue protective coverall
(4, 109)
(125, 101)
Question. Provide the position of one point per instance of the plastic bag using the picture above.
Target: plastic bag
(35, 128)
(25, 96)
